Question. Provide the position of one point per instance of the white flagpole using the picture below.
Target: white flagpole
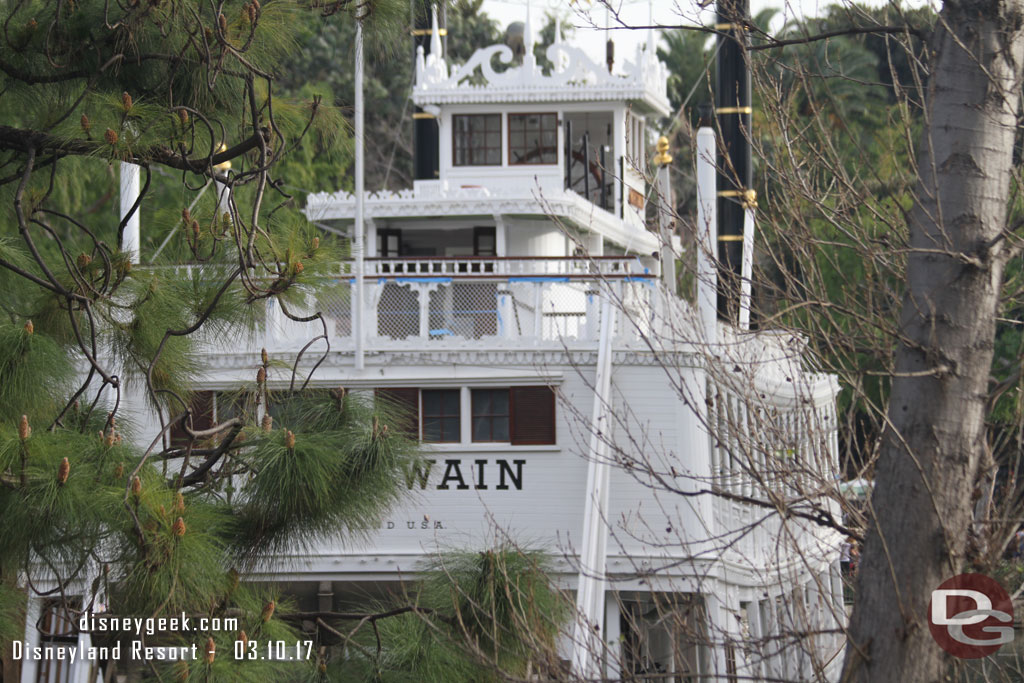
(358, 226)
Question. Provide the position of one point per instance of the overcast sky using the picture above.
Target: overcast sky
(638, 11)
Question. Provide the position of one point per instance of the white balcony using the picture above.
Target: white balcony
(411, 302)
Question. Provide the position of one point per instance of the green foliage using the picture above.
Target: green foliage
(151, 528)
(35, 373)
(340, 463)
(480, 616)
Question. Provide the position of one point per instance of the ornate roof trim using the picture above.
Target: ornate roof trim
(574, 77)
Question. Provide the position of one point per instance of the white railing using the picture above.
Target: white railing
(414, 300)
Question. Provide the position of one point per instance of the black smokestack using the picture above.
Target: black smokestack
(426, 156)
(733, 109)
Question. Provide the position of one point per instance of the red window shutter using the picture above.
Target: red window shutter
(532, 415)
(202, 418)
(404, 407)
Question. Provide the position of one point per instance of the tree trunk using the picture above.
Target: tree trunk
(934, 441)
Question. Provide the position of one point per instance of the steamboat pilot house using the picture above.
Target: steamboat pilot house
(514, 299)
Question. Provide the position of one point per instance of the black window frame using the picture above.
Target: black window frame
(473, 151)
(491, 417)
(444, 418)
(524, 158)
(382, 242)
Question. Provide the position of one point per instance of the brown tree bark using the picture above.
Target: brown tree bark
(935, 437)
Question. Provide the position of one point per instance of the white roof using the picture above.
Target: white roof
(574, 77)
(481, 201)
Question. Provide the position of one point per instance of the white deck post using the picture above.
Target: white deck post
(707, 233)
(358, 330)
(590, 592)
(131, 239)
(747, 266)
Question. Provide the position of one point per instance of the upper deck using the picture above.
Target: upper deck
(511, 138)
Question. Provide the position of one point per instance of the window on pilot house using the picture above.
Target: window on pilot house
(476, 140)
(532, 139)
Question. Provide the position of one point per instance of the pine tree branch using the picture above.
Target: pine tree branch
(198, 474)
(24, 140)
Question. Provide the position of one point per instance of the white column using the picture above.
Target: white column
(223, 199)
(590, 601)
(506, 314)
(500, 236)
(538, 310)
(466, 408)
(358, 330)
(747, 267)
(371, 237)
(130, 188)
(707, 233)
(666, 207)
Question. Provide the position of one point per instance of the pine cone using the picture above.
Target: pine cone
(85, 123)
(126, 101)
(299, 267)
(136, 486)
(211, 647)
(119, 471)
(261, 375)
(181, 671)
(267, 423)
(244, 639)
(264, 357)
(251, 12)
(83, 261)
(110, 136)
(179, 527)
(289, 440)
(63, 471)
(195, 229)
(186, 215)
(222, 20)
(316, 243)
(24, 431)
(183, 116)
(29, 327)
(179, 502)
(268, 611)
